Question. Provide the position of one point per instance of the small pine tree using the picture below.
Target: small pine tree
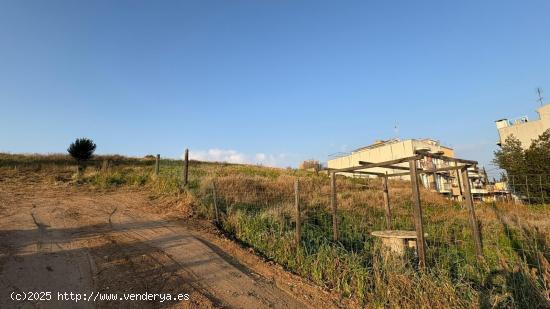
(511, 157)
(82, 149)
(526, 167)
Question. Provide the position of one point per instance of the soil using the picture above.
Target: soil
(61, 237)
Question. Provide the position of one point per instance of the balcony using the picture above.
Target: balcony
(479, 191)
(446, 187)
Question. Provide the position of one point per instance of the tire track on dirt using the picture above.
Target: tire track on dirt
(212, 273)
(34, 266)
(109, 243)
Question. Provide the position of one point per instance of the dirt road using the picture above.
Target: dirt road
(62, 238)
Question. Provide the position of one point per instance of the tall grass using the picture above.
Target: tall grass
(257, 209)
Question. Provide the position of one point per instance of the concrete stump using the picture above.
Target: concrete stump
(396, 242)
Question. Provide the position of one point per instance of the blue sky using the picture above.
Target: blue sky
(273, 82)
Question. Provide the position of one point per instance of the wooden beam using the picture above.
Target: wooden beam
(394, 167)
(417, 214)
(330, 170)
(445, 158)
(472, 214)
(378, 164)
(441, 169)
(368, 173)
(398, 174)
(459, 183)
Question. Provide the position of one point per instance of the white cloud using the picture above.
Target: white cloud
(234, 156)
(271, 159)
(260, 157)
(218, 155)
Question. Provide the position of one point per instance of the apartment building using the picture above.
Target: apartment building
(524, 129)
(394, 149)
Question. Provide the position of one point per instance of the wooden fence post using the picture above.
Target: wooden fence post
(335, 234)
(417, 214)
(185, 168)
(215, 201)
(157, 165)
(387, 202)
(298, 214)
(473, 221)
(460, 191)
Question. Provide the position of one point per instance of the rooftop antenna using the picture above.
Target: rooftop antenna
(540, 99)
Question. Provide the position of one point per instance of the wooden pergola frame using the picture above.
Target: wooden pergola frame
(413, 171)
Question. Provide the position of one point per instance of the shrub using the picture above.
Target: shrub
(82, 149)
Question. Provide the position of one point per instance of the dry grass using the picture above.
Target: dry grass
(256, 207)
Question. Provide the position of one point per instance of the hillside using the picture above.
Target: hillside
(256, 209)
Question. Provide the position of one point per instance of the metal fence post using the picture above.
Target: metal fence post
(185, 168)
(298, 214)
(387, 202)
(214, 197)
(335, 234)
(157, 165)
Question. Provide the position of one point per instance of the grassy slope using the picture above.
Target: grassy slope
(256, 205)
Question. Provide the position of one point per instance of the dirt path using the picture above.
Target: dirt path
(64, 239)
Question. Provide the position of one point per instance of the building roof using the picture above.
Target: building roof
(380, 143)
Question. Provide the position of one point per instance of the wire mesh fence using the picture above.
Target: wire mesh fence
(530, 188)
(249, 205)
(264, 214)
(257, 206)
